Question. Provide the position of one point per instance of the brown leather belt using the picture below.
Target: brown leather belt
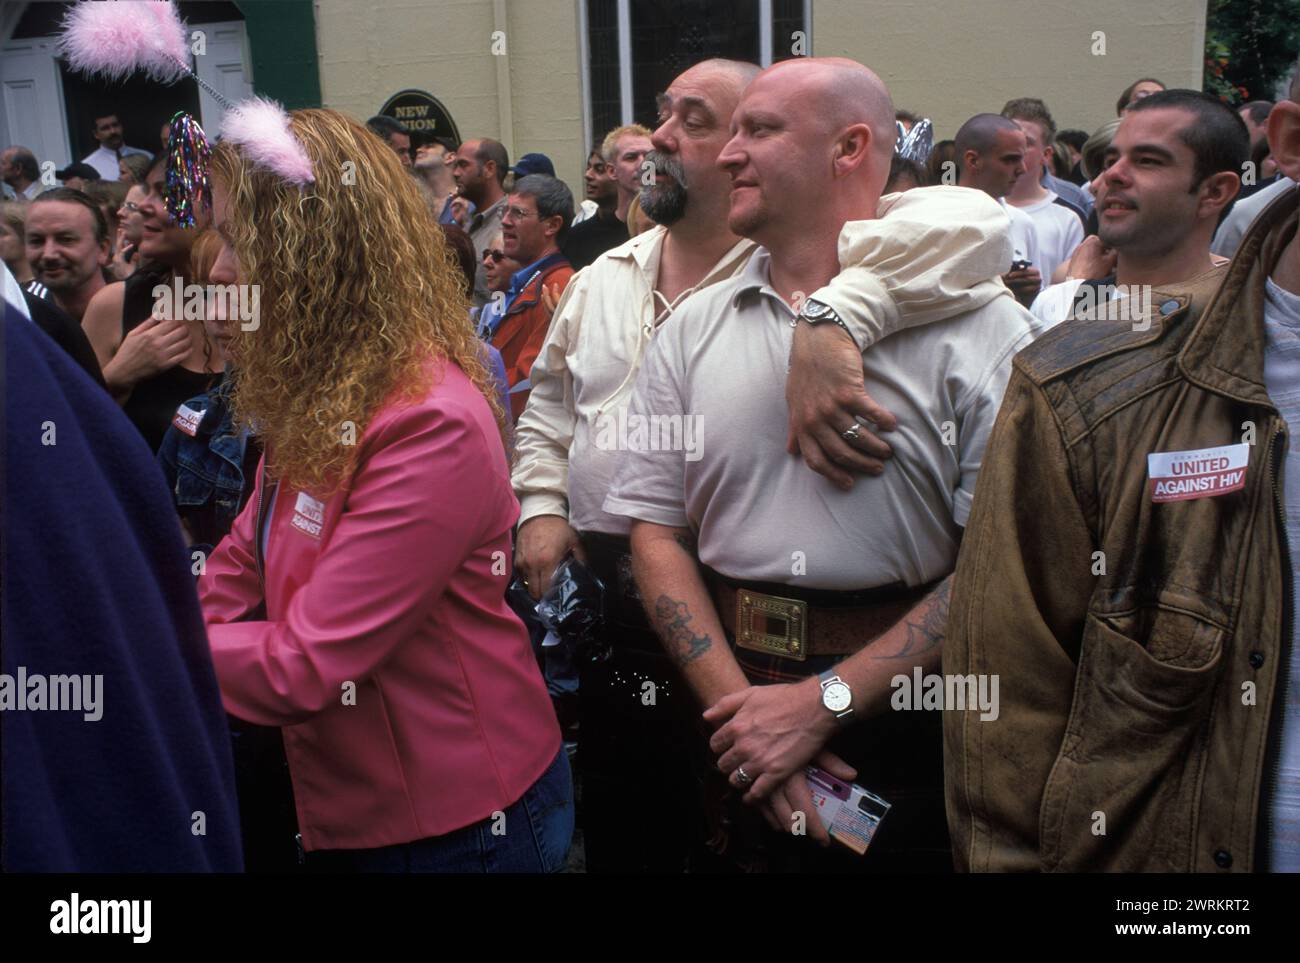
(796, 629)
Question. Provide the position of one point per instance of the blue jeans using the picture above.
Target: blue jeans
(531, 836)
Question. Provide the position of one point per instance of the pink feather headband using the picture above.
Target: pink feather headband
(261, 128)
(114, 38)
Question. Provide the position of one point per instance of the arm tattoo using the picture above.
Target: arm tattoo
(671, 618)
(926, 631)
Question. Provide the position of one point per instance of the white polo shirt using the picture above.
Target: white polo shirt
(714, 380)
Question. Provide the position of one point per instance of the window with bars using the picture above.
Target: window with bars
(666, 37)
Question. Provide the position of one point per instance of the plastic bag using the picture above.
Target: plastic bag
(571, 610)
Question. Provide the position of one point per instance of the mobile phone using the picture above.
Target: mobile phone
(1021, 265)
(850, 813)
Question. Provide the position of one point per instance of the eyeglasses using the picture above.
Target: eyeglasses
(519, 214)
(495, 256)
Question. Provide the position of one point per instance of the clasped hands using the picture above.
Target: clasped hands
(773, 732)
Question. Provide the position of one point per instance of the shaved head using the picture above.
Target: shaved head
(980, 133)
(740, 72)
(846, 93)
(812, 140)
(733, 75)
(990, 154)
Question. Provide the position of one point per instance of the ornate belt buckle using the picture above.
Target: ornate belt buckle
(772, 625)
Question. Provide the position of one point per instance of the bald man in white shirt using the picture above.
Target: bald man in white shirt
(803, 571)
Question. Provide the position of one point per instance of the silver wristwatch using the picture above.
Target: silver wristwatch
(818, 312)
(837, 697)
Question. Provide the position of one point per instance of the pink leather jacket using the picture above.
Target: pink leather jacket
(410, 701)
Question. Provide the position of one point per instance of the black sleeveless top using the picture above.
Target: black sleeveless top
(154, 401)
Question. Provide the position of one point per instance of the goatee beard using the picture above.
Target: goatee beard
(665, 203)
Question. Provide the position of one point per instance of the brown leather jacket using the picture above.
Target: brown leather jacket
(1138, 726)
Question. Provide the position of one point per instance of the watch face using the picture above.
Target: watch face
(837, 697)
(817, 311)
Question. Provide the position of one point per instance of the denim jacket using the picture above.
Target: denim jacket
(205, 471)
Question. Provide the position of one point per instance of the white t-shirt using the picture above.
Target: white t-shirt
(1282, 380)
(1059, 232)
(1024, 236)
(716, 375)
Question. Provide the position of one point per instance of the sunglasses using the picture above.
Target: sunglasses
(496, 256)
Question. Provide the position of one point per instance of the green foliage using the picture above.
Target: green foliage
(1250, 45)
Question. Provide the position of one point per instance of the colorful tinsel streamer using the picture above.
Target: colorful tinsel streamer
(189, 187)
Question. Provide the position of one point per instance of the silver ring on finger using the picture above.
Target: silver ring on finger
(850, 434)
(744, 778)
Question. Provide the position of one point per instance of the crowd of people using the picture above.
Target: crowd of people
(820, 405)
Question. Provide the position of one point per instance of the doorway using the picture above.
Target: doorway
(50, 109)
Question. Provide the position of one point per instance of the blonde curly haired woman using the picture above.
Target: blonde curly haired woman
(358, 602)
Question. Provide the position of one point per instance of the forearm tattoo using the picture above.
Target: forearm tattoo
(671, 621)
(925, 631)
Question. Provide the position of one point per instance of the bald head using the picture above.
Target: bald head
(719, 74)
(845, 93)
(811, 143)
(990, 154)
(741, 72)
(20, 166)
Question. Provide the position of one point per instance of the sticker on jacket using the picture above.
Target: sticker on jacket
(187, 420)
(308, 515)
(1181, 475)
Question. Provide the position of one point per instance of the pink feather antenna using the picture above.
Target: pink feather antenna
(261, 128)
(115, 38)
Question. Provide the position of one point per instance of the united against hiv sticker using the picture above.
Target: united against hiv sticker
(187, 420)
(1181, 475)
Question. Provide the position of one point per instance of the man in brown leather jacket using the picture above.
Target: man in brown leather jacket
(1137, 611)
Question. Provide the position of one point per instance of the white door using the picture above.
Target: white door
(32, 92)
(221, 67)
